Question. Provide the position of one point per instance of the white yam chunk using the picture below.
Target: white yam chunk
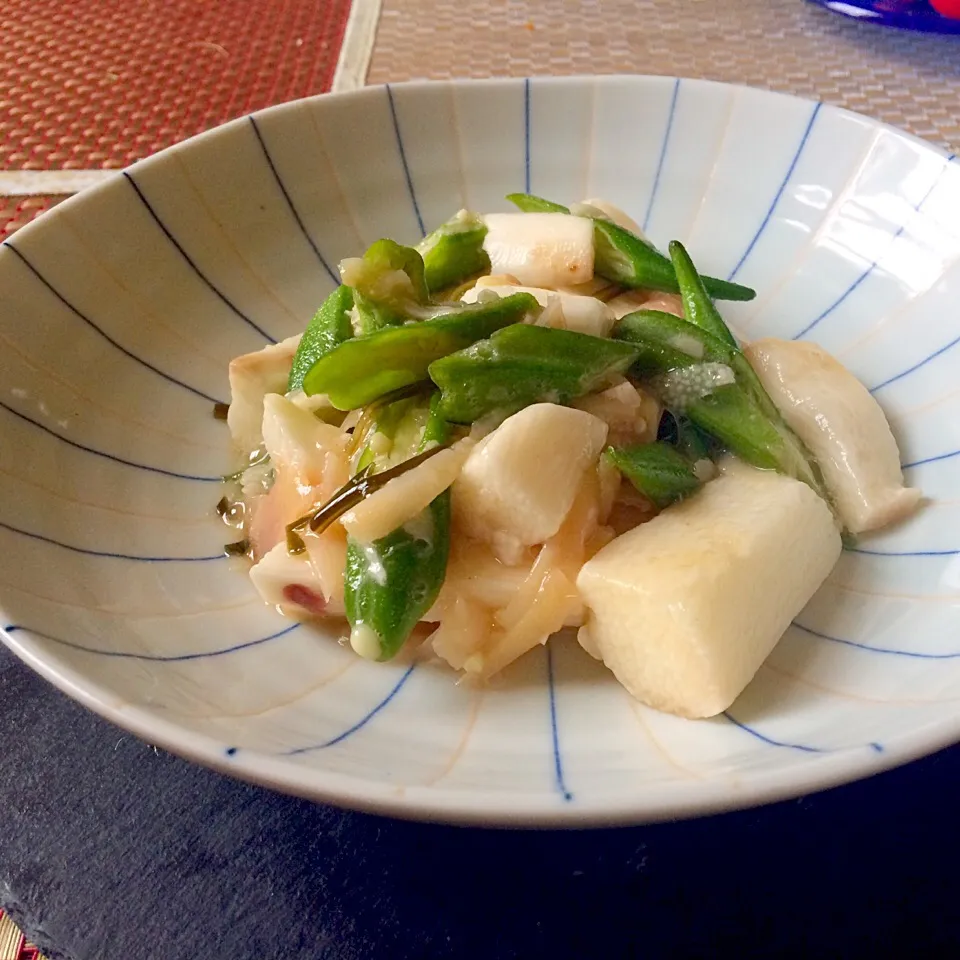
(521, 480)
(540, 249)
(578, 313)
(252, 377)
(842, 426)
(685, 608)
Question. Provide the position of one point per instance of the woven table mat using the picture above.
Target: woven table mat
(909, 80)
(16, 212)
(13, 946)
(99, 83)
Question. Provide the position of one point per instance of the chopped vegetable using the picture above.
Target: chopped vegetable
(520, 481)
(698, 308)
(353, 492)
(486, 464)
(364, 368)
(566, 311)
(630, 260)
(252, 377)
(703, 378)
(657, 470)
(665, 342)
(734, 418)
(329, 328)
(540, 249)
(388, 284)
(390, 583)
(858, 454)
(521, 365)
(390, 505)
(685, 608)
(454, 252)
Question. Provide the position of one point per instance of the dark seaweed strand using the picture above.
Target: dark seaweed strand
(356, 490)
(237, 549)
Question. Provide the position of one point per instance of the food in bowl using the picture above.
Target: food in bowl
(536, 420)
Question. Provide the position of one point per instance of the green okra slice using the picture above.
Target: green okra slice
(453, 253)
(523, 364)
(657, 470)
(329, 328)
(391, 583)
(364, 368)
(632, 261)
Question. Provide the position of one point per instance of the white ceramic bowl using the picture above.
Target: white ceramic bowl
(120, 310)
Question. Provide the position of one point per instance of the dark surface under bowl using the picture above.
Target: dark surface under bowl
(113, 851)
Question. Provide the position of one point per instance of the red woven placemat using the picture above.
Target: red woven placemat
(16, 212)
(96, 83)
(12, 944)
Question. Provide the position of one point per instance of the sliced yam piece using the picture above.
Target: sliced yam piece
(547, 600)
(632, 300)
(585, 639)
(615, 214)
(269, 514)
(310, 463)
(475, 572)
(685, 608)
(462, 633)
(299, 443)
(521, 480)
(550, 609)
(540, 249)
(842, 426)
(309, 584)
(631, 414)
(252, 376)
(403, 497)
(608, 478)
(576, 312)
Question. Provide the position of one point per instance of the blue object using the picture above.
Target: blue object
(915, 16)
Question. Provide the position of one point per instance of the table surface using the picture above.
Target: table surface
(110, 850)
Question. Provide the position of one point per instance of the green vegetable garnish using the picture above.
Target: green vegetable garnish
(454, 252)
(529, 203)
(625, 258)
(238, 549)
(329, 328)
(698, 308)
(391, 583)
(657, 470)
(524, 364)
(665, 342)
(364, 368)
(388, 285)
